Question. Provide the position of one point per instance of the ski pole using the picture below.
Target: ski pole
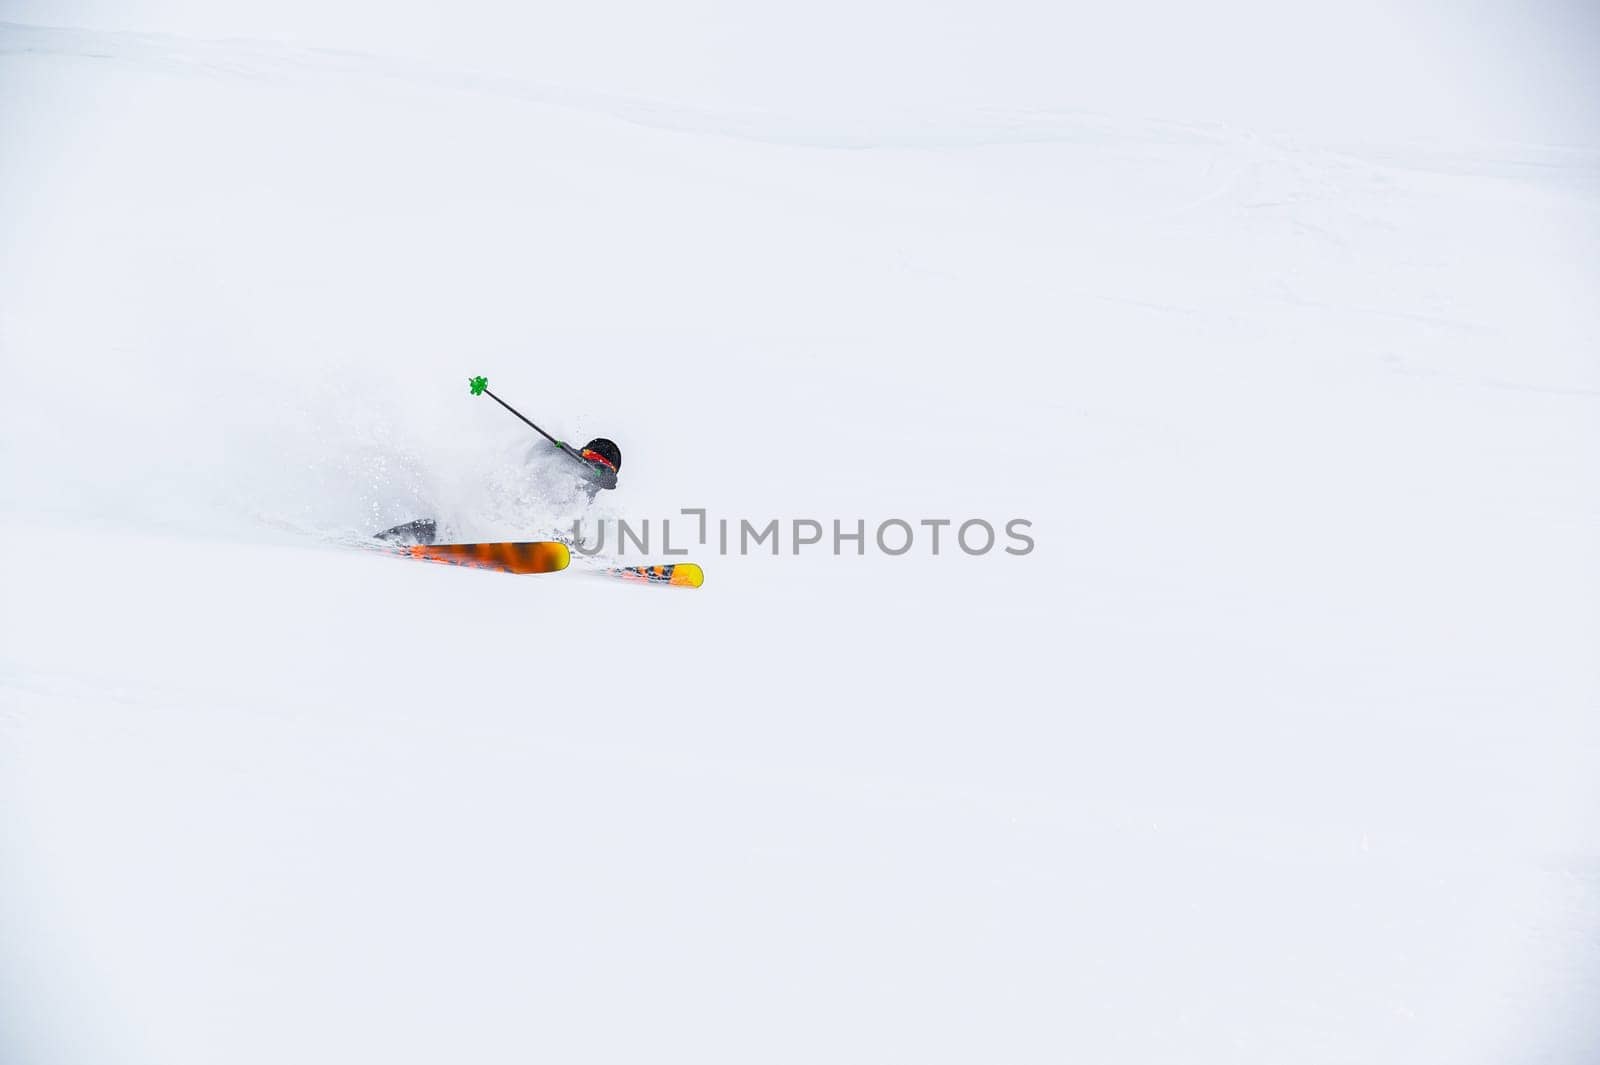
(479, 386)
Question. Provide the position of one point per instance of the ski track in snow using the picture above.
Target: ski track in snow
(1561, 167)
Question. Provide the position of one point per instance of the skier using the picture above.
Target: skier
(600, 458)
(602, 461)
(598, 463)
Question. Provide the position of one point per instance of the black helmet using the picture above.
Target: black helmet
(606, 450)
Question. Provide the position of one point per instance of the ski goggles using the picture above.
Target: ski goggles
(595, 456)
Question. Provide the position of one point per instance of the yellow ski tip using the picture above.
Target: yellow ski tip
(687, 575)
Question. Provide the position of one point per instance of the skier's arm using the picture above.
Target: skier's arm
(602, 475)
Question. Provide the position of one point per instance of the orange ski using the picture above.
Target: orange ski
(535, 556)
(680, 574)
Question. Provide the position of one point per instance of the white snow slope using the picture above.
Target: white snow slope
(1280, 747)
